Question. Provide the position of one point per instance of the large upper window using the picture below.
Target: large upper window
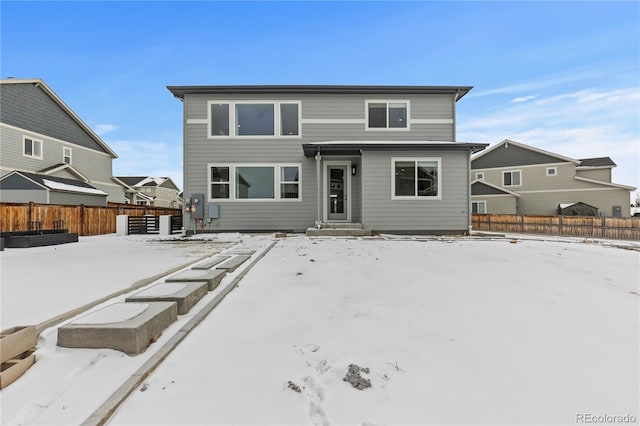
(32, 148)
(511, 178)
(416, 178)
(387, 114)
(254, 182)
(254, 118)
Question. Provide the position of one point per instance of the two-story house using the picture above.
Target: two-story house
(296, 157)
(47, 153)
(514, 178)
(154, 191)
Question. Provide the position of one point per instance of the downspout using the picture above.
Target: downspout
(469, 206)
(319, 190)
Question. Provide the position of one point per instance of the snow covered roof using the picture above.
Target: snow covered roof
(138, 181)
(58, 184)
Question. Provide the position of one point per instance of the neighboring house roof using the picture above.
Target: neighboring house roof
(181, 91)
(596, 162)
(354, 147)
(139, 196)
(599, 182)
(139, 181)
(64, 166)
(479, 187)
(56, 183)
(47, 90)
(516, 157)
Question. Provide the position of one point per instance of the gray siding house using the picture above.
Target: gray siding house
(514, 178)
(153, 191)
(296, 157)
(40, 134)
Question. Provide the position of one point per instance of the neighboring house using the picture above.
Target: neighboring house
(40, 134)
(16, 187)
(514, 178)
(153, 191)
(294, 157)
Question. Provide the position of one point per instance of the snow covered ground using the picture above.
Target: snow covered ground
(453, 330)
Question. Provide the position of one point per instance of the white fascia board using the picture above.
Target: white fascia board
(599, 182)
(527, 147)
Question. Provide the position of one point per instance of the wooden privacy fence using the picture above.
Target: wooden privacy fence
(83, 220)
(627, 228)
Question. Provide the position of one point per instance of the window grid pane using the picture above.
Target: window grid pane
(220, 120)
(255, 183)
(427, 178)
(289, 119)
(397, 115)
(405, 178)
(28, 147)
(255, 119)
(378, 115)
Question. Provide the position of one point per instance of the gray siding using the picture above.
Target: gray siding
(512, 156)
(479, 188)
(199, 151)
(29, 107)
(603, 175)
(381, 213)
(72, 199)
(23, 196)
(546, 203)
(498, 204)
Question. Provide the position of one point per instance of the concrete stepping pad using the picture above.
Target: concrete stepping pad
(184, 294)
(126, 327)
(233, 263)
(210, 263)
(242, 252)
(211, 276)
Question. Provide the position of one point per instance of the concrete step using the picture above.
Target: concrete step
(341, 225)
(184, 294)
(129, 335)
(338, 232)
(210, 276)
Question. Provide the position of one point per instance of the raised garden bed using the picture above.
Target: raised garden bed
(45, 237)
(16, 352)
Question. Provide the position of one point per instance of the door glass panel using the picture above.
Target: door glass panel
(336, 191)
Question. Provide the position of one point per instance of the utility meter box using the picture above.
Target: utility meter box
(195, 206)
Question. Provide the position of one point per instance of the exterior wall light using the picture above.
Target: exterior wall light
(354, 169)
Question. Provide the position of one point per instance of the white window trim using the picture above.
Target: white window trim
(277, 127)
(480, 176)
(386, 129)
(64, 149)
(511, 171)
(438, 160)
(33, 140)
(232, 183)
(555, 171)
(483, 202)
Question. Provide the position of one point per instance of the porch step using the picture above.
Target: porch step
(341, 225)
(338, 232)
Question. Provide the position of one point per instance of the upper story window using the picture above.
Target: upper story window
(416, 178)
(66, 155)
(511, 178)
(32, 148)
(387, 114)
(552, 171)
(254, 119)
(480, 176)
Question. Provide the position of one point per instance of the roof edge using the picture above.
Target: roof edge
(181, 91)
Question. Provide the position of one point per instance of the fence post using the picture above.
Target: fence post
(122, 225)
(29, 214)
(604, 227)
(82, 224)
(522, 223)
(489, 221)
(560, 228)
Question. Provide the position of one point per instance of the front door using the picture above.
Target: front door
(337, 193)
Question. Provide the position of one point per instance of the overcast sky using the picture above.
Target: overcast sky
(562, 76)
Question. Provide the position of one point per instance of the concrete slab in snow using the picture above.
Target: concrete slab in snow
(211, 277)
(185, 294)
